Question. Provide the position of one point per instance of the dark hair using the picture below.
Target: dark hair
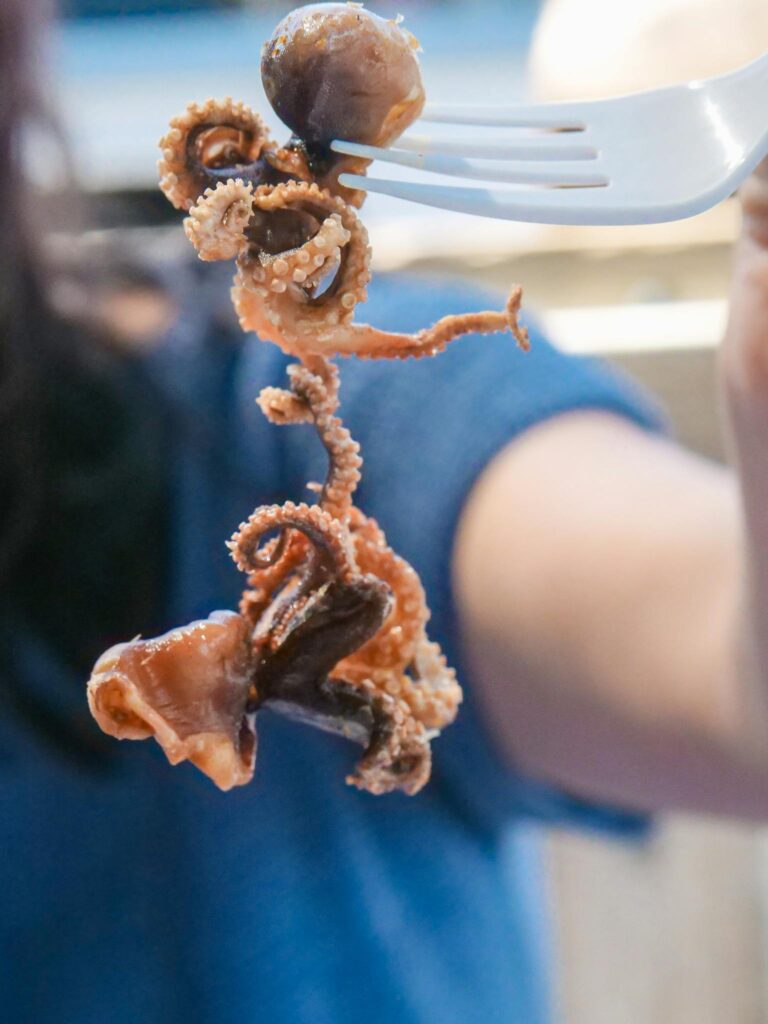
(79, 455)
(19, 105)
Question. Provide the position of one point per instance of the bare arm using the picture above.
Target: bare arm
(614, 591)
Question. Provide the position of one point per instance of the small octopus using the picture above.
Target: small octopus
(331, 628)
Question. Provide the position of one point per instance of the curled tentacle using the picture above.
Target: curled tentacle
(300, 231)
(282, 406)
(327, 534)
(216, 223)
(280, 299)
(211, 142)
(289, 601)
(306, 266)
(314, 398)
(280, 561)
(311, 549)
(276, 294)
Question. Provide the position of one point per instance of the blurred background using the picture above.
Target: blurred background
(673, 930)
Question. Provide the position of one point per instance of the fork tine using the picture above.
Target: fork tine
(536, 147)
(559, 172)
(541, 206)
(596, 206)
(552, 116)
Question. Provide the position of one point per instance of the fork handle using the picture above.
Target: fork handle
(756, 74)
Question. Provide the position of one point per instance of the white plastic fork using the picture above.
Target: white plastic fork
(639, 159)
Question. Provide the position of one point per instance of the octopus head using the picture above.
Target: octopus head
(337, 71)
(190, 690)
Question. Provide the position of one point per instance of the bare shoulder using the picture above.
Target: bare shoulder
(589, 553)
(587, 481)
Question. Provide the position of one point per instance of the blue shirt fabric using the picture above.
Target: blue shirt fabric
(141, 893)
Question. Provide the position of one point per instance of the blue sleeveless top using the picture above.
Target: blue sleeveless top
(143, 894)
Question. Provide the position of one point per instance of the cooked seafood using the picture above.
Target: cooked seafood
(331, 628)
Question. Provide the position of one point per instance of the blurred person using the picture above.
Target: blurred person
(601, 591)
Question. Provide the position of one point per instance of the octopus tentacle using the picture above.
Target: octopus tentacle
(314, 395)
(282, 406)
(307, 265)
(344, 459)
(394, 645)
(432, 699)
(216, 223)
(283, 572)
(289, 601)
(278, 300)
(435, 696)
(399, 756)
(205, 142)
(369, 342)
(305, 261)
(432, 691)
(274, 294)
(326, 533)
(274, 574)
(291, 160)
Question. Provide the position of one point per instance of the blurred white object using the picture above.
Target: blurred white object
(648, 157)
(587, 49)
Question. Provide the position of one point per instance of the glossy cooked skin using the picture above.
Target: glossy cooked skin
(338, 71)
